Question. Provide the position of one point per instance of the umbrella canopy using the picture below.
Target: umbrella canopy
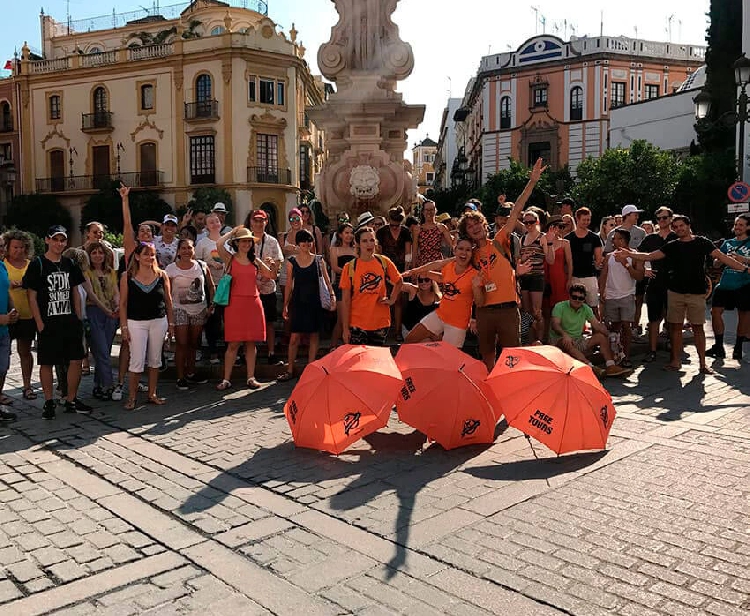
(444, 395)
(553, 398)
(343, 397)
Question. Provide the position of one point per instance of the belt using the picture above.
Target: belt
(501, 305)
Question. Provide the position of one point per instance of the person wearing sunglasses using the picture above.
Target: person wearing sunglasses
(559, 272)
(537, 250)
(569, 320)
(287, 240)
(308, 223)
(655, 276)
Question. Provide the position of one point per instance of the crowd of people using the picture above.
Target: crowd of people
(525, 278)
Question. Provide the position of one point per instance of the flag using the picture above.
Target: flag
(8, 65)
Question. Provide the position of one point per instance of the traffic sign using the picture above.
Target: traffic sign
(738, 192)
(738, 208)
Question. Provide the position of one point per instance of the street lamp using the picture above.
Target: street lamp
(739, 116)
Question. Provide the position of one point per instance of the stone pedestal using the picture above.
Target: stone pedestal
(366, 119)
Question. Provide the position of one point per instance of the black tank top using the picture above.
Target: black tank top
(415, 311)
(341, 261)
(146, 303)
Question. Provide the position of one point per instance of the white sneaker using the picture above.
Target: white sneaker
(142, 387)
(117, 393)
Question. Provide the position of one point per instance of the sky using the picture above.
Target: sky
(448, 42)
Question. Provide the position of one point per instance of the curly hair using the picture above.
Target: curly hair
(21, 236)
(79, 256)
(470, 215)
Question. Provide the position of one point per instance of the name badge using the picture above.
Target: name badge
(490, 287)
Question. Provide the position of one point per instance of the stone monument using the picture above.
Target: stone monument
(365, 119)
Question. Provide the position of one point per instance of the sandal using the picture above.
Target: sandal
(29, 394)
(157, 400)
(626, 363)
(130, 404)
(253, 384)
(5, 400)
(671, 368)
(283, 378)
(224, 385)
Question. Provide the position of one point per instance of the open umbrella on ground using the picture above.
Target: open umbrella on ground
(343, 397)
(552, 397)
(444, 395)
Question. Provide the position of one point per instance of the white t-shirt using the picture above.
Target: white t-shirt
(268, 247)
(165, 253)
(188, 288)
(205, 250)
(620, 284)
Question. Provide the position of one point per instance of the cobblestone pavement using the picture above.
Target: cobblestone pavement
(206, 506)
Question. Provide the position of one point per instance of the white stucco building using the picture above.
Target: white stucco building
(447, 145)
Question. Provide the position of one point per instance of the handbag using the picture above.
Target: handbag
(325, 295)
(221, 295)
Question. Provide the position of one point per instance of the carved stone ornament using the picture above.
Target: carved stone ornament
(365, 182)
(365, 40)
(146, 123)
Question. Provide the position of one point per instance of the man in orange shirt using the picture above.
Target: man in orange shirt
(498, 321)
(366, 306)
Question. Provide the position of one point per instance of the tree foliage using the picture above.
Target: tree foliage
(37, 213)
(724, 37)
(643, 175)
(205, 197)
(105, 207)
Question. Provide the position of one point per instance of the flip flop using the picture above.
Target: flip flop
(253, 384)
(671, 368)
(224, 385)
(130, 405)
(157, 400)
(29, 394)
(5, 400)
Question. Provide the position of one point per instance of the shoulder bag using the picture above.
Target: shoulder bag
(221, 295)
(325, 295)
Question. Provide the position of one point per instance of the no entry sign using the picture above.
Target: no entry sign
(738, 192)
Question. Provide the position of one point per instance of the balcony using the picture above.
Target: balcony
(98, 122)
(137, 179)
(202, 110)
(269, 175)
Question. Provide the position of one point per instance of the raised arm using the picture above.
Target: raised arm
(225, 255)
(128, 233)
(536, 173)
(728, 261)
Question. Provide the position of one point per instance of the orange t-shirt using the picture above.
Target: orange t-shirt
(455, 307)
(367, 312)
(497, 269)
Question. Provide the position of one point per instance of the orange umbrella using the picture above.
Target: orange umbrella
(553, 397)
(343, 397)
(444, 395)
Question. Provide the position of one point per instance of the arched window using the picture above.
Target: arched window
(505, 121)
(217, 30)
(576, 104)
(6, 121)
(203, 97)
(95, 49)
(100, 100)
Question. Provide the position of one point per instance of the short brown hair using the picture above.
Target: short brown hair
(582, 211)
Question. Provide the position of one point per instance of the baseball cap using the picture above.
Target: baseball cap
(503, 210)
(169, 218)
(57, 230)
(470, 206)
(629, 209)
(260, 214)
(568, 201)
(219, 207)
(295, 212)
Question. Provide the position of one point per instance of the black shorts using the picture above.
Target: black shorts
(532, 282)
(640, 287)
(656, 302)
(732, 299)
(270, 307)
(23, 329)
(60, 343)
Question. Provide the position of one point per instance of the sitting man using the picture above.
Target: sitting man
(568, 321)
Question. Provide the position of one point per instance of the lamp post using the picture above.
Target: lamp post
(120, 148)
(72, 151)
(730, 118)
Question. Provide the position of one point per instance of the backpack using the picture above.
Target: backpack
(353, 267)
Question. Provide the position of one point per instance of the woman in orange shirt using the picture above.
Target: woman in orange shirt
(462, 287)
(366, 310)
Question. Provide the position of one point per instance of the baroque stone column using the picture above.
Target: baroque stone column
(366, 119)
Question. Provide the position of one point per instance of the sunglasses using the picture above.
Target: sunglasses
(421, 280)
(529, 222)
(294, 219)
(663, 217)
(578, 298)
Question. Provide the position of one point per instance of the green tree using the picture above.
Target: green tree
(37, 213)
(701, 190)
(724, 37)
(105, 207)
(205, 197)
(643, 175)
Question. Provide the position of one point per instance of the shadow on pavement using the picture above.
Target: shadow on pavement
(543, 468)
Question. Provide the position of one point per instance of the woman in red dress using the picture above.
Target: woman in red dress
(244, 321)
(559, 273)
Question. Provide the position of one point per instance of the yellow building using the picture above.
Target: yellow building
(213, 95)
(423, 156)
